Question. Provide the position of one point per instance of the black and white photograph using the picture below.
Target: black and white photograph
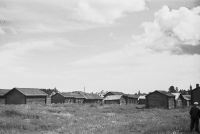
(99, 66)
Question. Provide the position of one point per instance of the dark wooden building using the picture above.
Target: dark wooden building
(25, 96)
(195, 95)
(112, 93)
(63, 97)
(91, 98)
(160, 99)
(114, 99)
(178, 99)
(186, 100)
(2, 97)
(130, 99)
(142, 99)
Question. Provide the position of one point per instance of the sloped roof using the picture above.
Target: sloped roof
(131, 95)
(67, 94)
(71, 95)
(90, 96)
(187, 97)
(163, 92)
(31, 91)
(141, 97)
(3, 91)
(176, 95)
(113, 97)
(115, 93)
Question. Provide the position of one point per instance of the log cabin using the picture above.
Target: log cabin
(160, 99)
(114, 99)
(195, 95)
(25, 96)
(178, 99)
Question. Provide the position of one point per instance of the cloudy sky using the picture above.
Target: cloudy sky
(112, 45)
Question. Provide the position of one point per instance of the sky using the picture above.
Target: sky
(110, 45)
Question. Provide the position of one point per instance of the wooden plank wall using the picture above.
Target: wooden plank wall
(156, 100)
(36, 100)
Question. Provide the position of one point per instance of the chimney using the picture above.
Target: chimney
(197, 85)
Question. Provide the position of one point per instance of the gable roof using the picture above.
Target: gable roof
(176, 95)
(113, 97)
(3, 91)
(67, 94)
(88, 95)
(114, 93)
(30, 91)
(141, 97)
(162, 92)
(131, 96)
(187, 97)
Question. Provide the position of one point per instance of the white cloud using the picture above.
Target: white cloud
(106, 11)
(171, 29)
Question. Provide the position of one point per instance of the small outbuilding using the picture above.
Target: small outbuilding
(2, 97)
(178, 99)
(63, 97)
(186, 100)
(25, 96)
(141, 99)
(114, 99)
(195, 95)
(112, 93)
(91, 98)
(160, 99)
(130, 99)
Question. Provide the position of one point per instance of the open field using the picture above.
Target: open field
(91, 119)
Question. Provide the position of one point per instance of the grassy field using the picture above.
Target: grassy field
(92, 119)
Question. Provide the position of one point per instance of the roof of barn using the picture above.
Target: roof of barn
(113, 97)
(187, 97)
(115, 93)
(176, 95)
(163, 92)
(30, 91)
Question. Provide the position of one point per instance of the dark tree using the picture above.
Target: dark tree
(172, 89)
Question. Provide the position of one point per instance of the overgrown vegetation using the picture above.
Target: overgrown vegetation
(92, 119)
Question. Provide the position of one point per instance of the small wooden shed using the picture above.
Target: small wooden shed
(142, 99)
(114, 99)
(91, 98)
(160, 99)
(130, 99)
(178, 99)
(2, 97)
(195, 95)
(63, 97)
(186, 100)
(112, 93)
(25, 96)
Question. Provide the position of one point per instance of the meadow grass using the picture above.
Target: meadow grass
(92, 119)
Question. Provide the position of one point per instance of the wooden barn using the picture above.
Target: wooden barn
(160, 99)
(186, 100)
(130, 99)
(2, 97)
(114, 99)
(195, 95)
(112, 93)
(25, 96)
(178, 99)
(63, 97)
(142, 99)
(91, 98)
